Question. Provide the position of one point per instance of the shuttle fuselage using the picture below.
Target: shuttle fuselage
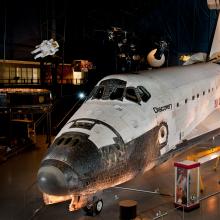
(127, 125)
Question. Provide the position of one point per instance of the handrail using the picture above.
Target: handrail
(68, 113)
(40, 119)
(21, 81)
(45, 114)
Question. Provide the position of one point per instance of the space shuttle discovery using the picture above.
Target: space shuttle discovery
(129, 124)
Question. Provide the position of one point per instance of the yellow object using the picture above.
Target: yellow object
(216, 163)
(184, 58)
(201, 184)
(195, 157)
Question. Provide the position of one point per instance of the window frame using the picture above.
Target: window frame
(99, 87)
(136, 93)
(142, 88)
(123, 94)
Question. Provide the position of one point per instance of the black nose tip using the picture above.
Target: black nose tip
(52, 181)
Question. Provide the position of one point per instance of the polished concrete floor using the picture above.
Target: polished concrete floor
(20, 198)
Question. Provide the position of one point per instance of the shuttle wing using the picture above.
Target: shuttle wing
(211, 123)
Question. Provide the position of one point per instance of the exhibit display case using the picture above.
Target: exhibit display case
(187, 184)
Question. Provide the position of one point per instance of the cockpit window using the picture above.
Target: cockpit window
(60, 141)
(144, 94)
(109, 89)
(67, 141)
(131, 95)
(115, 89)
(99, 92)
(117, 93)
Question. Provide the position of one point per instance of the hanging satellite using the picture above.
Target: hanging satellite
(46, 48)
(156, 57)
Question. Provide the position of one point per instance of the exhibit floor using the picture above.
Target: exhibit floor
(20, 198)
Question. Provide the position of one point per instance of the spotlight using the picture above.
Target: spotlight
(81, 95)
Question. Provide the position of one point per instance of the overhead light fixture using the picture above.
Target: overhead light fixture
(81, 95)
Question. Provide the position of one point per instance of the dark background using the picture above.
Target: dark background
(81, 27)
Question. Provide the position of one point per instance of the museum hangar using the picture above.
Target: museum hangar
(110, 110)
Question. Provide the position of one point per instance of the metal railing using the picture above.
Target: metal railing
(207, 210)
(68, 114)
(23, 81)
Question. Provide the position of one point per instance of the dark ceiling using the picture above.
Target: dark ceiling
(82, 28)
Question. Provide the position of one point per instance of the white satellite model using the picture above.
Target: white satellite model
(46, 48)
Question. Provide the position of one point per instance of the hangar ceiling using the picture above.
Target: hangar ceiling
(82, 28)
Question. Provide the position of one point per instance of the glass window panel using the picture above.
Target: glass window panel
(35, 75)
(30, 73)
(131, 95)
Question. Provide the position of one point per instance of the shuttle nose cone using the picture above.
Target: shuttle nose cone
(51, 180)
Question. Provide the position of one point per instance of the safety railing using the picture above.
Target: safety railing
(209, 209)
(23, 81)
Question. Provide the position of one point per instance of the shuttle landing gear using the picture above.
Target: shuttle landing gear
(94, 207)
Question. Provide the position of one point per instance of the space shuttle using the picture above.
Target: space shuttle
(129, 124)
